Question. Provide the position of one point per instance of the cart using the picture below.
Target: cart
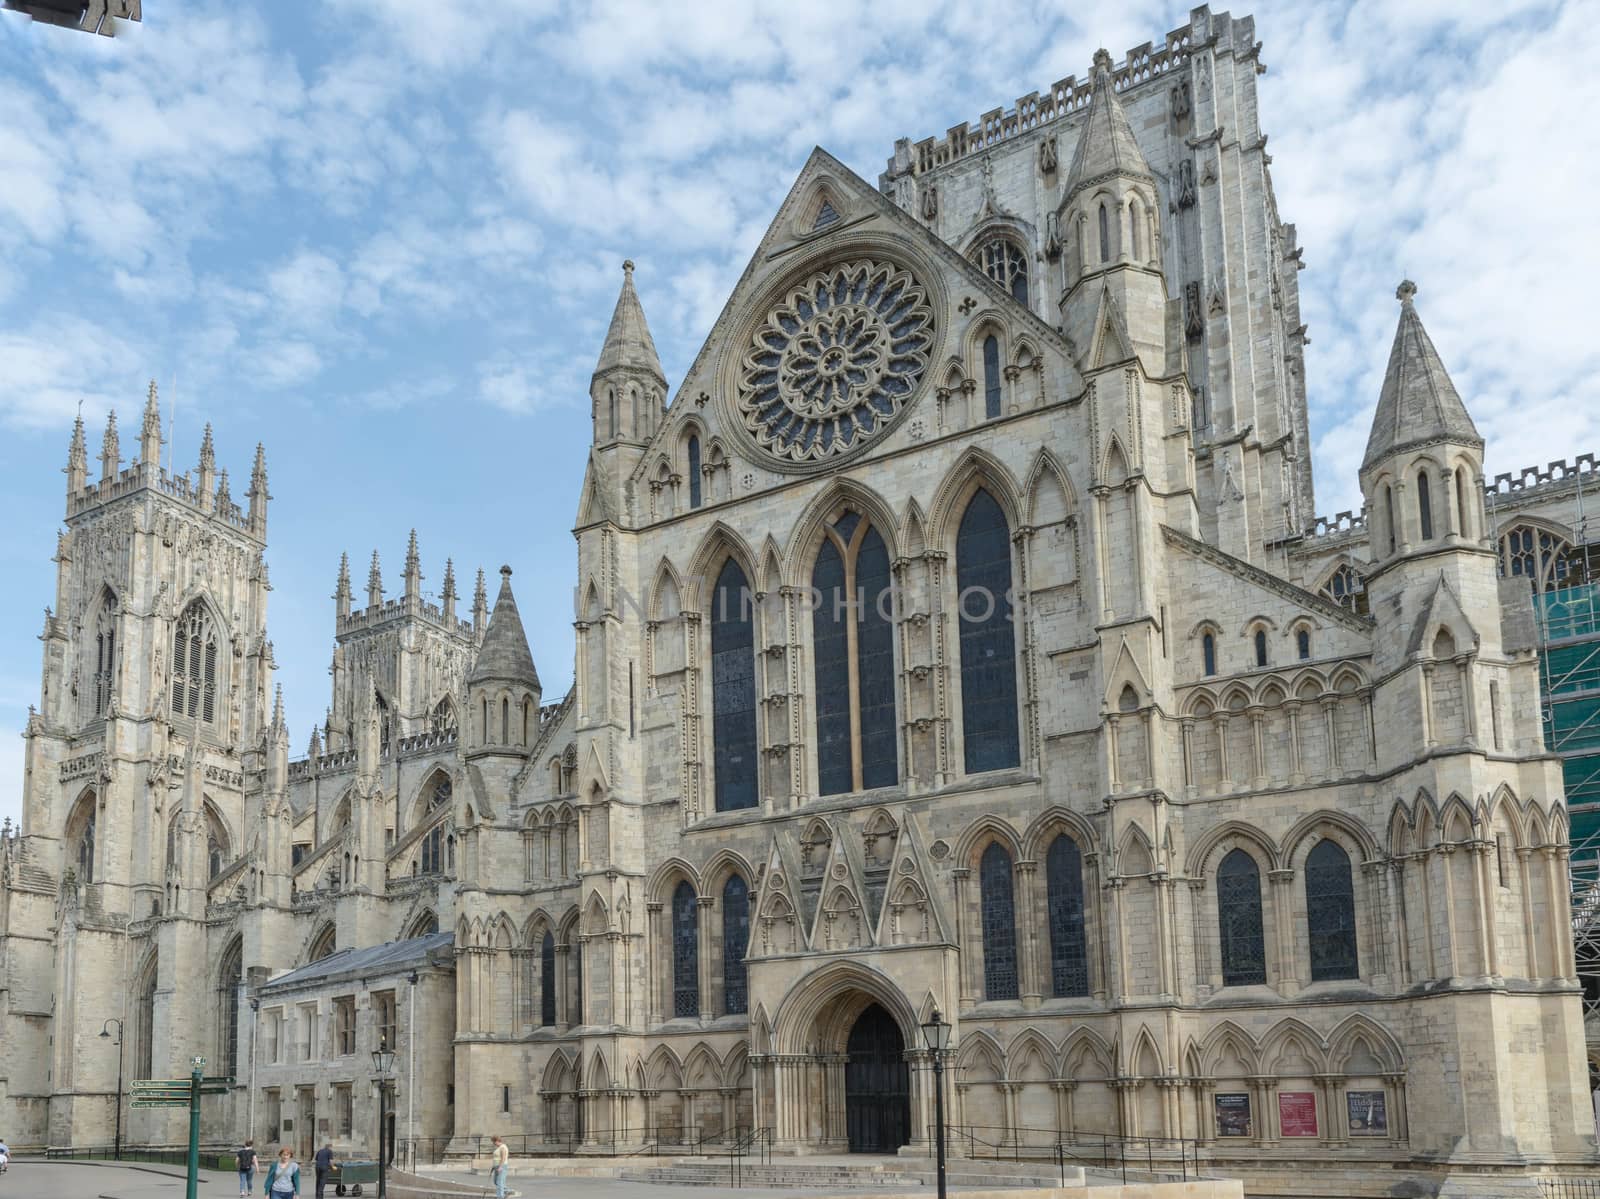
(348, 1176)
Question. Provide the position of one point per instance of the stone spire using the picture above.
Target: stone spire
(413, 568)
(341, 593)
(448, 597)
(374, 583)
(150, 433)
(258, 488)
(480, 604)
(504, 655)
(110, 449)
(77, 459)
(1418, 404)
(628, 342)
(1106, 146)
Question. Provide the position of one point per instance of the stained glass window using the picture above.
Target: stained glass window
(694, 472)
(999, 924)
(575, 964)
(852, 622)
(1331, 913)
(1425, 505)
(991, 377)
(988, 645)
(1244, 953)
(194, 665)
(228, 980)
(1069, 954)
(733, 691)
(735, 941)
(1004, 262)
(547, 980)
(1208, 651)
(685, 951)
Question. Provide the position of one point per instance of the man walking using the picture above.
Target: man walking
(325, 1164)
(247, 1168)
(502, 1156)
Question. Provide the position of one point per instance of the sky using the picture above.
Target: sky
(384, 239)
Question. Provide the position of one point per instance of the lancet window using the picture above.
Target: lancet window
(735, 941)
(998, 905)
(733, 690)
(853, 649)
(1244, 954)
(991, 377)
(547, 980)
(988, 641)
(1330, 913)
(685, 951)
(1069, 954)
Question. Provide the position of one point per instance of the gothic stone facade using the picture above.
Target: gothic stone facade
(957, 637)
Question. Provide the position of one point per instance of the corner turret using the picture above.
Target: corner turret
(77, 459)
(503, 689)
(626, 395)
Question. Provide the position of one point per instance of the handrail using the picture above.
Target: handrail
(1063, 1143)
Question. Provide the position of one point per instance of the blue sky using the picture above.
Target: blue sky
(384, 238)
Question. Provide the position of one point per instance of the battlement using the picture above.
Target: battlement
(1530, 477)
(1140, 65)
(143, 476)
(363, 619)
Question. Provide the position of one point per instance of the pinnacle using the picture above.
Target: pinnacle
(1106, 146)
(449, 578)
(344, 574)
(504, 654)
(260, 467)
(1418, 403)
(208, 453)
(628, 342)
(222, 485)
(413, 559)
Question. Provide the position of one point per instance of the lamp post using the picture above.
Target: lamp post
(106, 1033)
(936, 1034)
(382, 1063)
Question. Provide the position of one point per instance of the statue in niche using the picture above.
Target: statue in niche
(930, 202)
(1182, 104)
(1194, 323)
(1187, 194)
(1047, 156)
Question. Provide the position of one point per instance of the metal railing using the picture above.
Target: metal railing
(1161, 1157)
(212, 1158)
(653, 1140)
(756, 1142)
(1570, 1188)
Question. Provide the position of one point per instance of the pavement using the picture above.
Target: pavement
(84, 1180)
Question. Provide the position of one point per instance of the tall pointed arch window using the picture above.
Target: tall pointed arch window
(86, 845)
(432, 856)
(229, 980)
(998, 911)
(685, 951)
(1425, 504)
(194, 665)
(853, 649)
(1069, 952)
(988, 641)
(1547, 560)
(1388, 518)
(1331, 913)
(105, 654)
(1004, 262)
(547, 980)
(1346, 588)
(1105, 235)
(1260, 641)
(443, 717)
(735, 942)
(1208, 653)
(1244, 953)
(144, 1024)
(694, 471)
(733, 691)
(991, 377)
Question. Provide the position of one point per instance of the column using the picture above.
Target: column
(1447, 852)
(703, 954)
(1063, 1089)
(1188, 753)
(969, 958)
(1259, 778)
(1488, 936)
(1283, 928)
(654, 952)
(1297, 772)
(1028, 907)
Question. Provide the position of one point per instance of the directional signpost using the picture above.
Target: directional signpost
(183, 1092)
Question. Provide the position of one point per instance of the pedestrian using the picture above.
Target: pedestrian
(247, 1168)
(283, 1175)
(502, 1155)
(5, 1156)
(325, 1164)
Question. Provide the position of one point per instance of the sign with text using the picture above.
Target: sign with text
(1368, 1112)
(1233, 1114)
(1297, 1114)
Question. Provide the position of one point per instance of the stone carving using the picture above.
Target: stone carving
(1181, 102)
(1194, 321)
(930, 202)
(1047, 155)
(1186, 185)
(836, 360)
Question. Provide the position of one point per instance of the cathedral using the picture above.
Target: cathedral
(958, 635)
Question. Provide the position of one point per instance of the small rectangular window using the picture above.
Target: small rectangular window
(344, 1019)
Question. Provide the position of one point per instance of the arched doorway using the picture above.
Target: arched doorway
(877, 1084)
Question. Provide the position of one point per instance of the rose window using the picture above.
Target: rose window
(836, 360)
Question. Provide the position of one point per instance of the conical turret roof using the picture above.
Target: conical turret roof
(1418, 403)
(1106, 146)
(504, 654)
(628, 341)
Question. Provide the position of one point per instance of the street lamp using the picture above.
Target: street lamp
(936, 1034)
(382, 1063)
(105, 1032)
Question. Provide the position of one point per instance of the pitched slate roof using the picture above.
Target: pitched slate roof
(388, 958)
(1418, 403)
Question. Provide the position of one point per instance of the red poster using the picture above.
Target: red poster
(1297, 1114)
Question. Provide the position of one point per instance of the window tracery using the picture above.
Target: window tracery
(733, 691)
(547, 980)
(1347, 589)
(1244, 954)
(1547, 560)
(194, 665)
(685, 951)
(853, 651)
(991, 377)
(1069, 954)
(1330, 913)
(1004, 262)
(105, 646)
(735, 942)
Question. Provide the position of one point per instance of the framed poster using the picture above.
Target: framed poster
(1233, 1113)
(1368, 1113)
(1297, 1114)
